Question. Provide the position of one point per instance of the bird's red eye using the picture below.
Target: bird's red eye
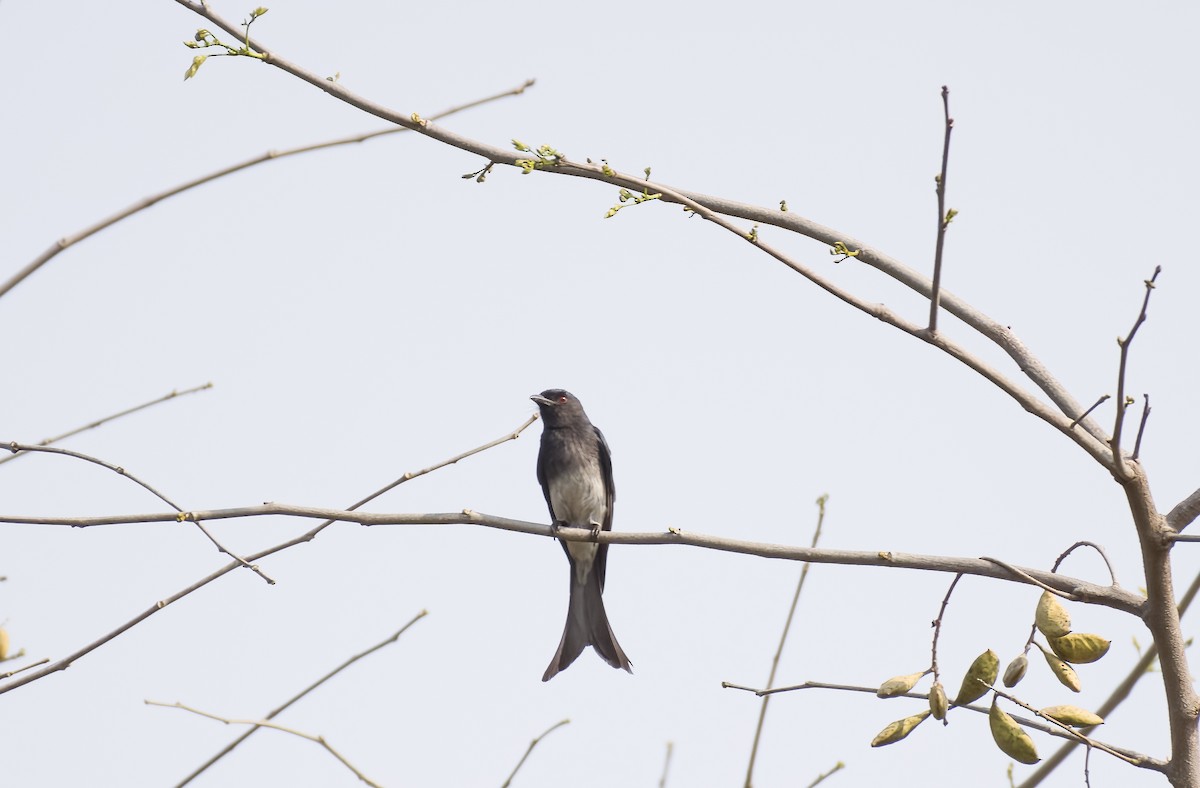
(562, 397)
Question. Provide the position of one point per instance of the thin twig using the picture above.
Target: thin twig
(787, 625)
(271, 155)
(943, 219)
(268, 724)
(1084, 415)
(1118, 460)
(1111, 572)
(529, 749)
(308, 536)
(1119, 694)
(1021, 573)
(937, 627)
(117, 469)
(12, 673)
(1137, 444)
(276, 712)
(837, 767)
(662, 781)
(1130, 756)
(93, 425)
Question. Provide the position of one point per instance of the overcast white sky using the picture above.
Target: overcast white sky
(364, 312)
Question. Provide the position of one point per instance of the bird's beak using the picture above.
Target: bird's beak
(539, 399)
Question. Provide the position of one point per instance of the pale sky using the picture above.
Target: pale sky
(364, 311)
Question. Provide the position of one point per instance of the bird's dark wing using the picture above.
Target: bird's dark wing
(610, 493)
(541, 477)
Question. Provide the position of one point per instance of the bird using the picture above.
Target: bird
(574, 467)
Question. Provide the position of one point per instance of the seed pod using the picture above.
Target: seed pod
(898, 685)
(1065, 674)
(937, 701)
(1073, 715)
(1052, 618)
(1080, 647)
(895, 731)
(1015, 671)
(1010, 737)
(981, 675)
(3, 644)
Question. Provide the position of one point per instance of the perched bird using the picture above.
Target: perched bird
(575, 470)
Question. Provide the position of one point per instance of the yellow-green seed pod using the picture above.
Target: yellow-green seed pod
(895, 731)
(1010, 737)
(3, 644)
(1080, 647)
(981, 675)
(898, 685)
(1015, 671)
(1052, 618)
(1065, 674)
(1073, 715)
(937, 701)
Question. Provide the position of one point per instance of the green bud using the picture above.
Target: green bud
(981, 675)
(1052, 618)
(1015, 671)
(937, 701)
(1073, 715)
(1080, 648)
(895, 731)
(898, 685)
(1010, 737)
(197, 61)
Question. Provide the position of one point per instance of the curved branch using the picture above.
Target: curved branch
(992, 330)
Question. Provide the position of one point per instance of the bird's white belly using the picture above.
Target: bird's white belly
(579, 500)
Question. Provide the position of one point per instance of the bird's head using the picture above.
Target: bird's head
(558, 407)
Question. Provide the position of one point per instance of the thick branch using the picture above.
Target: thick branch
(1184, 512)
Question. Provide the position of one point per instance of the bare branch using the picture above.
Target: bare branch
(1183, 513)
(662, 781)
(308, 536)
(268, 724)
(276, 712)
(943, 217)
(20, 447)
(823, 776)
(1118, 459)
(787, 625)
(1111, 573)
(937, 626)
(12, 673)
(1084, 415)
(271, 155)
(1137, 445)
(93, 425)
(1072, 588)
(529, 749)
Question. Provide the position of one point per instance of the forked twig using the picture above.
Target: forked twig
(529, 749)
(787, 625)
(274, 713)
